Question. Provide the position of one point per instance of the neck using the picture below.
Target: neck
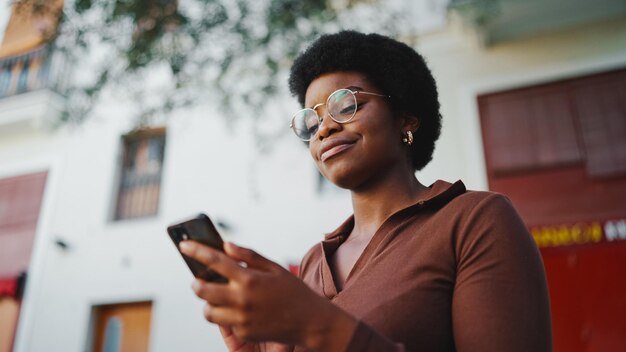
(378, 200)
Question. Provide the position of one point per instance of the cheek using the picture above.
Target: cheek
(312, 149)
(380, 130)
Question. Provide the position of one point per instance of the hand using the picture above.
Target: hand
(264, 302)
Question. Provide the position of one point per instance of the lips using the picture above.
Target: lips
(334, 146)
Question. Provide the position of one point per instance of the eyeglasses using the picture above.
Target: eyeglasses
(341, 106)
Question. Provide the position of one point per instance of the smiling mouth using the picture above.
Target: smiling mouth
(335, 150)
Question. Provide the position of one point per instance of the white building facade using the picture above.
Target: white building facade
(83, 258)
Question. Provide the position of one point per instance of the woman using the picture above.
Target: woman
(415, 268)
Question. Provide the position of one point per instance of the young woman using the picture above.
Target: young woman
(416, 268)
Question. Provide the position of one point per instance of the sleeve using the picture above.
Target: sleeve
(500, 300)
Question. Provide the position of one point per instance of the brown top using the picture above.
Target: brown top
(457, 271)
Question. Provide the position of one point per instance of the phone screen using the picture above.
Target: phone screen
(202, 230)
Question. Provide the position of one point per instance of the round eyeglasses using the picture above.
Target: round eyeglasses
(341, 106)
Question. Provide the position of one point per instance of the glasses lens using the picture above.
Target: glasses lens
(305, 123)
(342, 105)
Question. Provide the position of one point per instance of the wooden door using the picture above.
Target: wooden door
(122, 327)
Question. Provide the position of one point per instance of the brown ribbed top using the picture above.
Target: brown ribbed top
(457, 271)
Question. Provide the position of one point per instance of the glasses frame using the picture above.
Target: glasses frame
(320, 119)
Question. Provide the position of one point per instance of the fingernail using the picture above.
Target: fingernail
(195, 285)
(185, 246)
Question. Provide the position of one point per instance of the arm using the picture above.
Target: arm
(500, 300)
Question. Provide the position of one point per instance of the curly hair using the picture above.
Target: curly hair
(392, 66)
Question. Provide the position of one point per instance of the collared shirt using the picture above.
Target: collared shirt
(457, 271)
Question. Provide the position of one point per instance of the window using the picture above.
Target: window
(20, 203)
(22, 78)
(140, 181)
(530, 130)
(558, 150)
(580, 121)
(5, 78)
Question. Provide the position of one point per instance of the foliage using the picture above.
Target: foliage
(163, 55)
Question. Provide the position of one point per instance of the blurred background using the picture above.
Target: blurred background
(118, 118)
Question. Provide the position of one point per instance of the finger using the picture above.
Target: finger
(250, 257)
(221, 316)
(214, 294)
(212, 258)
(231, 341)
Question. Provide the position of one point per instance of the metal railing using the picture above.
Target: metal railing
(140, 184)
(29, 71)
(138, 195)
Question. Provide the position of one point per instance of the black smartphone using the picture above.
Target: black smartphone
(200, 229)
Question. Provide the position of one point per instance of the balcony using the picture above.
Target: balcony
(29, 86)
(497, 21)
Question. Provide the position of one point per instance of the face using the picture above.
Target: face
(356, 154)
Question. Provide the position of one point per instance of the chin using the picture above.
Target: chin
(345, 178)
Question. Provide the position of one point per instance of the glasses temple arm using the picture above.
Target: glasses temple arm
(370, 93)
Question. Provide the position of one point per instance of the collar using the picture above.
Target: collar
(439, 194)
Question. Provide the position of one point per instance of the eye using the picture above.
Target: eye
(348, 110)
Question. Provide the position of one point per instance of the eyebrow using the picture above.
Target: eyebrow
(354, 88)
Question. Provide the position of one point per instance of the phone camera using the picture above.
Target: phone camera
(181, 235)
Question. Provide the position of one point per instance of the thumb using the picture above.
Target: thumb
(248, 256)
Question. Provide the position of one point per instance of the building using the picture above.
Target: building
(533, 104)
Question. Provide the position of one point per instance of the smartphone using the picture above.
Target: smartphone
(200, 229)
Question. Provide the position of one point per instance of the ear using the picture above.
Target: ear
(410, 123)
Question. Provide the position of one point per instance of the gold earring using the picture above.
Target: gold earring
(408, 140)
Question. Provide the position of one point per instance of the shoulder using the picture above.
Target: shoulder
(454, 198)
(491, 229)
(481, 208)
(483, 198)
(489, 208)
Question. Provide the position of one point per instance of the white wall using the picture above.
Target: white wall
(5, 13)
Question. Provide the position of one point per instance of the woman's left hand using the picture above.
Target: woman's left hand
(264, 302)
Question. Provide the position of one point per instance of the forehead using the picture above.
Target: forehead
(321, 87)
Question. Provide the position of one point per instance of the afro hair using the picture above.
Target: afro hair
(392, 66)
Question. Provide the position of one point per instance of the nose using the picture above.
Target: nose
(327, 125)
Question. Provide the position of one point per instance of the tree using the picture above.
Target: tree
(236, 51)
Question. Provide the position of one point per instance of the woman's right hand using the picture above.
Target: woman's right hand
(234, 344)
